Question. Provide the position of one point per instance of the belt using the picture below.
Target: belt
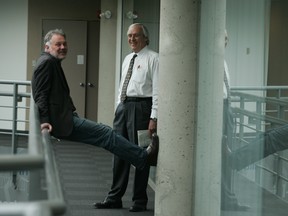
(137, 99)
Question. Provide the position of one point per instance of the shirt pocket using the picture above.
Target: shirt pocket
(140, 74)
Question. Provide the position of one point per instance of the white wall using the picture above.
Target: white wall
(13, 39)
(13, 55)
(246, 23)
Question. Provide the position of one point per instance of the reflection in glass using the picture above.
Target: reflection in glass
(255, 124)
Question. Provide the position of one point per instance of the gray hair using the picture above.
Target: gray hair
(50, 34)
(144, 30)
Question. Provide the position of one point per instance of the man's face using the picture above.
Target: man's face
(136, 38)
(57, 47)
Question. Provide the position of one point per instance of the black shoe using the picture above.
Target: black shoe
(108, 205)
(152, 150)
(137, 208)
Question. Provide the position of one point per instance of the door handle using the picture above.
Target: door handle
(90, 85)
(82, 84)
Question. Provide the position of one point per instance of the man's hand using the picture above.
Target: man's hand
(152, 127)
(46, 126)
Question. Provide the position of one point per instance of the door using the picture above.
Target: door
(92, 70)
(74, 65)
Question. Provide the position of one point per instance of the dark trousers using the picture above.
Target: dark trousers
(130, 116)
(101, 135)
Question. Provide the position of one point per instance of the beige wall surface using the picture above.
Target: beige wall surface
(107, 59)
(278, 47)
(54, 9)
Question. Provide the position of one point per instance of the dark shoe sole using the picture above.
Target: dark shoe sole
(107, 205)
(137, 209)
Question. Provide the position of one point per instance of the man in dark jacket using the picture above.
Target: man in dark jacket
(57, 111)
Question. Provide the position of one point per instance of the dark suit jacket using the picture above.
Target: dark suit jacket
(52, 95)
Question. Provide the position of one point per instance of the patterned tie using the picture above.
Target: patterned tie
(127, 79)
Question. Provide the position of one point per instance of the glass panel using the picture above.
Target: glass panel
(255, 123)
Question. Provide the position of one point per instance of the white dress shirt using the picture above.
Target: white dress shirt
(144, 79)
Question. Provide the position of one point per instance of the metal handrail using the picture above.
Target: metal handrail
(25, 209)
(280, 104)
(256, 88)
(35, 157)
(17, 97)
(259, 117)
(55, 204)
(249, 97)
(40, 155)
(43, 208)
(52, 177)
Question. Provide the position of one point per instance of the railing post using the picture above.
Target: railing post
(14, 117)
(277, 162)
(14, 130)
(258, 110)
(241, 119)
(36, 190)
(278, 169)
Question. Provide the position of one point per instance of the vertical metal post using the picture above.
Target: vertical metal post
(14, 119)
(258, 122)
(277, 160)
(14, 129)
(241, 119)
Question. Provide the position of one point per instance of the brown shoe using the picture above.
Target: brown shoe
(152, 150)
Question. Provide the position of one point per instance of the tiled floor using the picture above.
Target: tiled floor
(86, 174)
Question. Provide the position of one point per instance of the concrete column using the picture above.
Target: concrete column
(179, 31)
(190, 107)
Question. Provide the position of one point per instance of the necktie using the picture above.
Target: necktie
(127, 79)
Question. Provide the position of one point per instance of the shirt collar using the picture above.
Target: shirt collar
(141, 51)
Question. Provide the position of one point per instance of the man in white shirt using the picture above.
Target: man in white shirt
(136, 110)
(229, 200)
